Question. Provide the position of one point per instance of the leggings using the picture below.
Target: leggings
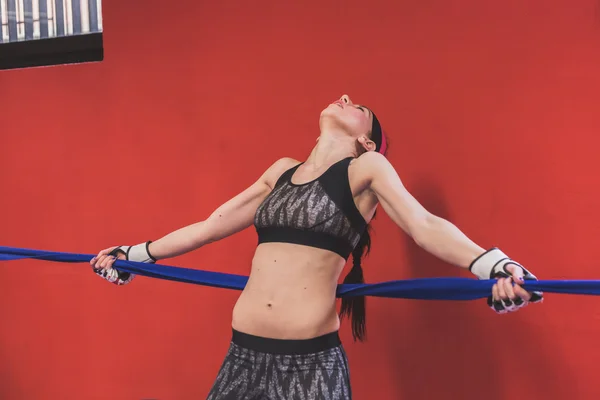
(257, 368)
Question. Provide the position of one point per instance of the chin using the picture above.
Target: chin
(326, 114)
(331, 110)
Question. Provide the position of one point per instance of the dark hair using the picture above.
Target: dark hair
(355, 307)
(378, 135)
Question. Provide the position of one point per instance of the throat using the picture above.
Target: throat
(329, 151)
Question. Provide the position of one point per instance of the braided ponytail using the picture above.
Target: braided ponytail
(354, 307)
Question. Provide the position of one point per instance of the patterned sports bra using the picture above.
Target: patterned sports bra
(320, 213)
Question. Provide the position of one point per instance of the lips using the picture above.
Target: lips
(339, 103)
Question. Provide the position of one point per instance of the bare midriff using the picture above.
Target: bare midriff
(290, 293)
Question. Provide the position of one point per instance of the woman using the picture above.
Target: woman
(310, 217)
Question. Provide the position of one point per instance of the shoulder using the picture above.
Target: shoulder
(370, 165)
(285, 163)
(274, 172)
(371, 158)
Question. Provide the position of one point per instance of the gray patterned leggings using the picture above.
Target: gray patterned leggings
(257, 368)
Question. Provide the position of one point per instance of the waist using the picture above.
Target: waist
(294, 276)
(290, 293)
(294, 317)
(286, 346)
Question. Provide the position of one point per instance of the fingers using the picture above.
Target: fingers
(104, 262)
(507, 297)
(495, 295)
(522, 294)
(508, 293)
(101, 254)
(496, 300)
(508, 289)
(107, 262)
(502, 289)
(516, 272)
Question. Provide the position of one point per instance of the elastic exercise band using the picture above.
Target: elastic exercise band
(423, 289)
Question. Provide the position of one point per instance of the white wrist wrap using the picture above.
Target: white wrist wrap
(138, 253)
(487, 265)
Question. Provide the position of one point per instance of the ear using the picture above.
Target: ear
(366, 143)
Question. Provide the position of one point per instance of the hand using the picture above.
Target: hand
(507, 297)
(507, 293)
(103, 262)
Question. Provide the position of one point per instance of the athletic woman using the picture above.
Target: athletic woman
(310, 217)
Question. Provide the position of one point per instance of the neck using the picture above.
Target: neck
(330, 149)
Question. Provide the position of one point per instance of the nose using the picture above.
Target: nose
(346, 99)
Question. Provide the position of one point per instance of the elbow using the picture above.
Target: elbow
(421, 229)
(199, 235)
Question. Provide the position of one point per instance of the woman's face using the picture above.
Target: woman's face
(354, 119)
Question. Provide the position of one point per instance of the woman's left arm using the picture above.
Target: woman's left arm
(434, 234)
(444, 240)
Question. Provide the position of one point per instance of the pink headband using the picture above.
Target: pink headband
(383, 147)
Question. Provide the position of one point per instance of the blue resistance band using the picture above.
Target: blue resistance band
(422, 289)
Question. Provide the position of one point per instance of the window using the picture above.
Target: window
(49, 32)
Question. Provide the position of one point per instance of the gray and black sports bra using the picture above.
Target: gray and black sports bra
(320, 213)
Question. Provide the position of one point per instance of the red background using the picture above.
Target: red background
(492, 109)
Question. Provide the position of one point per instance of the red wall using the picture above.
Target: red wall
(492, 108)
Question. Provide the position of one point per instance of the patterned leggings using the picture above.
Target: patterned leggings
(257, 368)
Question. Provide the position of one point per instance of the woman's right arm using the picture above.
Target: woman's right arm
(231, 217)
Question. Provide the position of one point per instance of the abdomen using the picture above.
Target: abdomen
(290, 293)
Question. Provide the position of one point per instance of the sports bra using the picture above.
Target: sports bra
(320, 213)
